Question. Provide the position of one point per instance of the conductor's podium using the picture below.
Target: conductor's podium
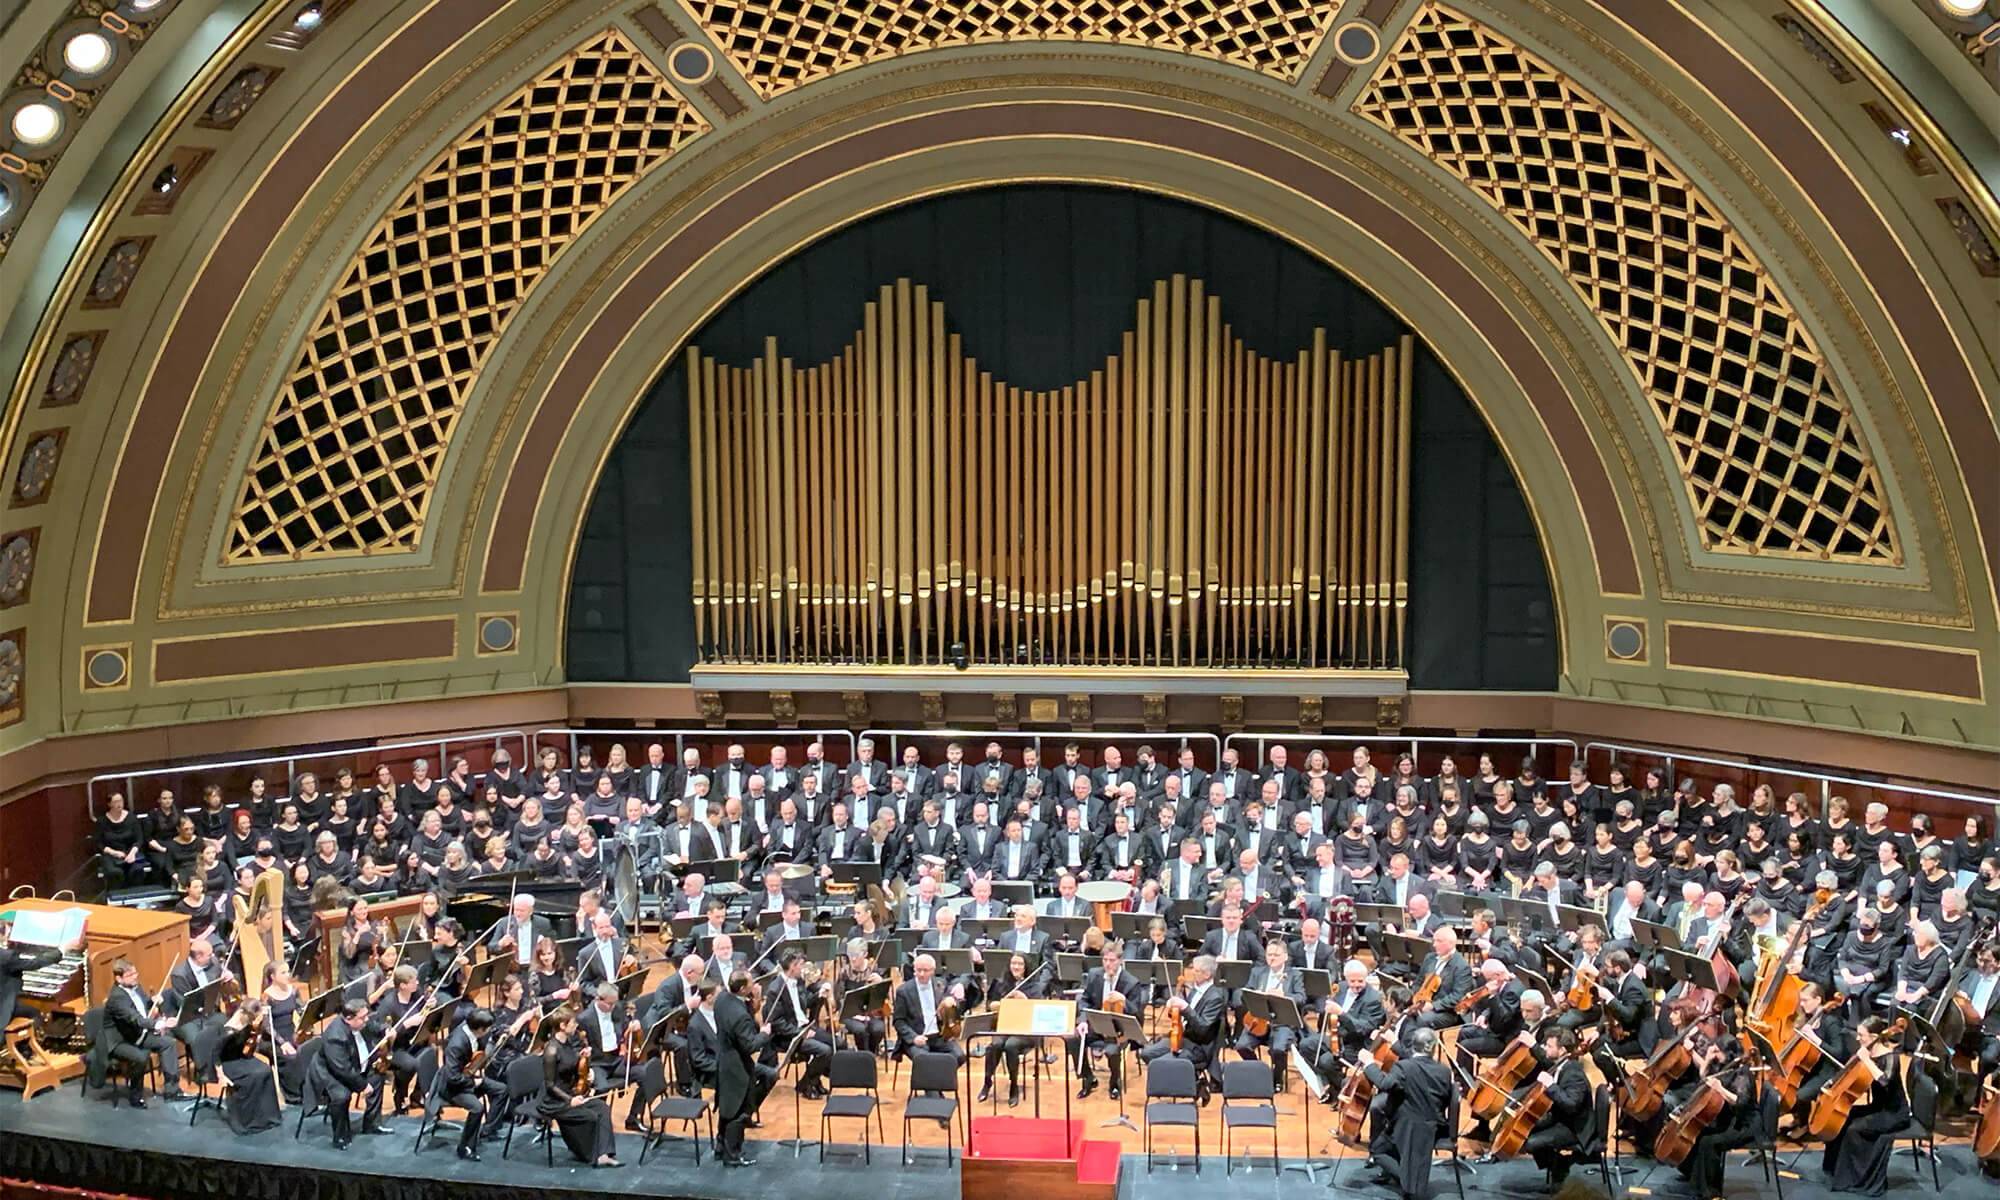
(1008, 1157)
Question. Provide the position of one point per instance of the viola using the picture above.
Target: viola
(1678, 1136)
(1646, 1086)
(1582, 995)
(1426, 991)
(1498, 1081)
(1356, 1091)
(1837, 1099)
(1177, 1020)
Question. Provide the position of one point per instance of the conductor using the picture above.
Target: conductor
(1418, 1090)
(738, 1044)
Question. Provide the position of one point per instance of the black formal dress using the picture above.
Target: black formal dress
(585, 1128)
(1857, 1159)
(252, 1102)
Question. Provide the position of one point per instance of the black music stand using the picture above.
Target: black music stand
(1233, 974)
(797, 1142)
(862, 874)
(1123, 1032)
(1130, 926)
(990, 929)
(1195, 929)
(1767, 1135)
(1378, 914)
(1070, 968)
(1013, 892)
(859, 1001)
(629, 985)
(1063, 929)
(980, 1025)
(1315, 1087)
(1459, 905)
(318, 1009)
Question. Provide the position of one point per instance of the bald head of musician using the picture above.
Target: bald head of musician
(1445, 942)
(1419, 906)
(1494, 973)
(1712, 906)
(1066, 886)
(691, 970)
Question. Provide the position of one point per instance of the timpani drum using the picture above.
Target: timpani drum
(1103, 895)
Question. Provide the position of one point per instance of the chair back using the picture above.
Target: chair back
(309, 1052)
(852, 1069)
(1249, 1079)
(97, 1057)
(525, 1076)
(1923, 1098)
(428, 1076)
(207, 1049)
(933, 1072)
(1600, 1122)
(1170, 1079)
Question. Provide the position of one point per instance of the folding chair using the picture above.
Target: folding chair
(932, 1076)
(428, 1085)
(671, 1106)
(1249, 1100)
(851, 1094)
(1170, 1102)
(525, 1077)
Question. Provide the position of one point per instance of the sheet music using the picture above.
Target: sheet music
(52, 928)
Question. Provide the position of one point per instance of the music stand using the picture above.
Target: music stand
(911, 939)
(1570, 917)
(863, 874)
(1070, 968)
(1122, 1031)
(566, 951)
(1233, 974)
(1013, 892)
(991, 929)
(1455, 904)
(1767, 1138)
(1063, 929)
(1655, 936)
(318, 1009)
(1314, 1086)
(1130, 926)
(629, 985)
(1378, 914)
(480, 977)
(798, 1142)
(862, 1001)
(951, 961)
(1691, 968)
(1195, 930)
(981, 1025)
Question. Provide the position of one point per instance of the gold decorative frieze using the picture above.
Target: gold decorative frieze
(351, 449)
(1770, 453)
(779, 44)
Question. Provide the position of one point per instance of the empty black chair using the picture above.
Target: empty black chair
(690, 1111)
(1170, 1102)
(428, 1086)
(851, 1094)
(933, 1097)
(1921, 1129)
(524, 1088)
(1249, 1101)
(310, 1103)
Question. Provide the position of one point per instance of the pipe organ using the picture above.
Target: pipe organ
(1193, 503)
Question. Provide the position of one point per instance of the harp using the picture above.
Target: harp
(261, 936)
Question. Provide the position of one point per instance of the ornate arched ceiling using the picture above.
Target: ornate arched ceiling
(320, 329)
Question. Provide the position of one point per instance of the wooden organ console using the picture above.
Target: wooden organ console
(54, 999)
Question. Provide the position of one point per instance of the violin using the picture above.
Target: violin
(1357, 1090)
(1498, 1081)
(1582, 995)
(582, 1087)
(1678, 1136)
(1646, 1086)
(1837, 1099)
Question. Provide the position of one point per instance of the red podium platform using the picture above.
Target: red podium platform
(1008, 1157)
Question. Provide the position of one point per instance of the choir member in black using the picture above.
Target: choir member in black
(342, 1070)
(1722, 1065)
(1454, 977)
(121, 838)
(583, 1120)
(741, 1082)
(1569, 1115)
(1109, 978)
(133, 1025)
(1863, 967)
(1274, 976)
(1417, 1098)
(250, 1103)
(1204, 1013)
(1478, 854)
(790, 1005)
(196, 905)
(1857, 1159)
(1923, 970)
(461, 1079)
(915, 1011)
(360, 940)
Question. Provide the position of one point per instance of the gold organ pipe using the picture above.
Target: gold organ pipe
(1231, 508)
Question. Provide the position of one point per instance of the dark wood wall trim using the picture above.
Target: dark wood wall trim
(1856, 662)
(236, 655)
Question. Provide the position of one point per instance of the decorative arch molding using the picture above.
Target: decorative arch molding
(1557, 380)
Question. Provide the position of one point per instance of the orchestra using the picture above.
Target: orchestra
(1506, 949)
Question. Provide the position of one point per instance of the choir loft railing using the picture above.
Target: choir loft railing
(1191, 504)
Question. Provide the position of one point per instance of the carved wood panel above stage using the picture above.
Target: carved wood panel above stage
(1194, 503)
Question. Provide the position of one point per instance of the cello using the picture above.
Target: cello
(1523, 1113)
(1646, 1086)
(1678, 1136)
(1986, 1138)
(1837, 1100)
(1357, 1090)
(1498, 1081)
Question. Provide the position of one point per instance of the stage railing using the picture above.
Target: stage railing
(681, 737)
(1476, 745)
(443, 744)
(1174, 737)
(1826, 783)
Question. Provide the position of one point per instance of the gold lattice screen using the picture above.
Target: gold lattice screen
(1138, 517)
(1770, 452)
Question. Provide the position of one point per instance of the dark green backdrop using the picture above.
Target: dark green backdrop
(1041, 281)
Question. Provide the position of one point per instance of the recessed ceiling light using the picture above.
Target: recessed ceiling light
(308, 17)
(1962, 8)
(37, 123)
(87, 53)
(6, 200)
(145, 5)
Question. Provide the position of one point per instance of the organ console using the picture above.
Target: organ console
(58, 995)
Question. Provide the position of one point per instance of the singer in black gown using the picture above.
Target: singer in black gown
(586, 1126)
